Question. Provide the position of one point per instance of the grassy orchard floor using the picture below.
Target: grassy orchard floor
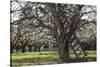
(43, 57)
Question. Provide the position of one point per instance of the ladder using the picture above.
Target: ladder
(77, 47)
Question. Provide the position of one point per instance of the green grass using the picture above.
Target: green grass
(43, 57)
(46, 54)
(35, 55)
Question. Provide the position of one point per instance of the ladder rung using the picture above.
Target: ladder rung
(80, 53)
(83, 56)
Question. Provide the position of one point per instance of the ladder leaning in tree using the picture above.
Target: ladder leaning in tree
(77, 47)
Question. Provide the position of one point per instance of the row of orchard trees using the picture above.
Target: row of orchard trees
(54, 23)
(22, 37)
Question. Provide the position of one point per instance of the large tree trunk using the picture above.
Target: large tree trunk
(63, 50)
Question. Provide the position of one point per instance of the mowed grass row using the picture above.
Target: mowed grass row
(45, 54)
